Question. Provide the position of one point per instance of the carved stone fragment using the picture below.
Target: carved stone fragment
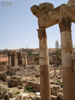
(71, 2)
(41, 33)
(65, 24)
(41, 9)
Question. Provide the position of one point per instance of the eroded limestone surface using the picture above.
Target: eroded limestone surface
(48, 16)
(71, 2)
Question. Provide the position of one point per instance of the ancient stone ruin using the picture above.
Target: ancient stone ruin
(17, 59)
(48, 16)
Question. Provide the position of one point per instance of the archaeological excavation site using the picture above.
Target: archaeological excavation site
(42, 74)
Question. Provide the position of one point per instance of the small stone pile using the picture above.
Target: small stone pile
(15, 81)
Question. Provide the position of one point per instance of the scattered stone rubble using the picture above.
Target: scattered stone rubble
(36, 86)
(15, 82)
(2, 92)
(25, 77)
(34, 81)
(12, 70)
(3, 76)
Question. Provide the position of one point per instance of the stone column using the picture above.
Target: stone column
(9, 61)
(16, 61)
(68, 71)
(44, 65)
(22, 61)
(25, 61)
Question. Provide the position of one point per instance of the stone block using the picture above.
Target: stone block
(55, 89)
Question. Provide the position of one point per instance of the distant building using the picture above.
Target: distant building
(3, 63)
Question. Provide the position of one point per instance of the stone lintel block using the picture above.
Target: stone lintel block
(48, 15)
(41, 9)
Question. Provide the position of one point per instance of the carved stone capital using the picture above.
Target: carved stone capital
(71, 2)
(41, 33)
(41, 9)
(65, 24)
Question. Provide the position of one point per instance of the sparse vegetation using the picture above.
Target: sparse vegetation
(17, 92)
(56, 44)
(58, 50)
(29, 53)
(58, 81)
(36, 58)
(8, 90)
(24, 89)
(58, 54)
(29, 89)
(61, 85)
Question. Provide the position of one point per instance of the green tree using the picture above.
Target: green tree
(36, 58)
(58, 50)
(58, 54)
(56, 44)
(30, 53)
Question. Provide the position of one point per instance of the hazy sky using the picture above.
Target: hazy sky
(18, 26)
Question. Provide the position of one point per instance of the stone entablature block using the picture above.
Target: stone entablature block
(48, 16)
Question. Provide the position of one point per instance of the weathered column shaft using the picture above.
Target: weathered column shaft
(44, 65)
(66, 42)
(25, 61)
(22, 61)
(9, 61)
(67, 59)
(16, 61)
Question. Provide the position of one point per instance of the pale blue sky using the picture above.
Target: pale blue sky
(18, 25)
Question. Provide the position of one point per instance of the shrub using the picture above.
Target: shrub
(17, 92)
(58, 81)
(24, 89)
(61, 85)
(36, 58)
(8, 90)
(29, 53)
(58, 54)
(29, 88)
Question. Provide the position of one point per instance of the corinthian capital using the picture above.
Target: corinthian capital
(41, 33)
(65, 24)
(71, 2)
